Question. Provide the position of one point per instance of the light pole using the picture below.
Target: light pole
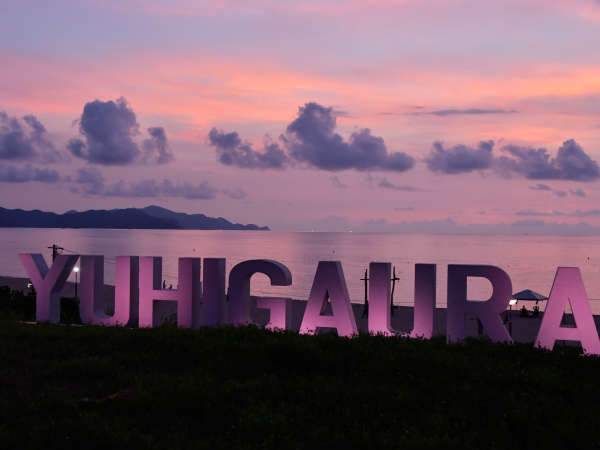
(76, 270)
(511, 303)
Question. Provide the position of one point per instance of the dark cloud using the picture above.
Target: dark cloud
(540, 187)
(26, 139)
(384, 183)
(558, 193)
(12, 174)
(311, 139)
(570, 163)
(166, 188)
(231, 151)
(91, 180)
(109, 129)
(460, 158)
(156, 147)
(468, 112)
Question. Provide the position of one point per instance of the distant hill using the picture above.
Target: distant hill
(151, 217)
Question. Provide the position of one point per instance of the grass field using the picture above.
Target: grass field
(69, 387)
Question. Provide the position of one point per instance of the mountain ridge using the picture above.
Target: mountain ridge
(150, 217)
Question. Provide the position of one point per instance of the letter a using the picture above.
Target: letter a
(329, 283)
(568, 285)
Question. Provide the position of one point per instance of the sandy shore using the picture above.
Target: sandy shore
(524, 329)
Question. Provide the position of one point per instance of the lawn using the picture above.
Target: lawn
(64, 386)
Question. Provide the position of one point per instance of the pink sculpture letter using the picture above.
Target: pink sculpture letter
(568, 286)
(187, 294)
(92, 305)
(239, 286)
(48, 283)
(487, 311)
(379, 300)
(379, 321)
(425, 284)
(280, 312)
(213, 311)
(329, 283)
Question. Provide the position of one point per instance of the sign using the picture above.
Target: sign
(201, 299)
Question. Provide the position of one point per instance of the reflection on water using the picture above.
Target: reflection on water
(531, 261)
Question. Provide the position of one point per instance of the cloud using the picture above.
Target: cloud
(311, 139)
(570, 163)
(558, 193)
(534, 213)
(166, 188)
(236, 194)
(93, 183)
(337, 183)
(109, 129)
(449, 226)
(26, 139)
(384, 183)
(156, 147)
(231, 151)
(460, 158)
(468, 112)
(91, 179)
(586, 213)
(540, 187)
(332, 223)
(12, 174)
(577, 213)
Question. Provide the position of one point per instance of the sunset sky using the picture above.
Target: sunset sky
(380, 115)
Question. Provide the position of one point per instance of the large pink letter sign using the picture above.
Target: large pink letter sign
(48, 283)
(214, 308)
(187, 294)
(239, 289)
(380, 299)
(329, 283)
(488, 311)
(91, 291)
(568, 286)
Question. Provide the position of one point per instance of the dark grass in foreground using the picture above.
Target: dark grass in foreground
(249, 388)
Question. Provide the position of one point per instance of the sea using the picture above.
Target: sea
(530, 261)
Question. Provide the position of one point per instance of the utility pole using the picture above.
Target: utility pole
(366, 280)
(56, 250)
(393, 280)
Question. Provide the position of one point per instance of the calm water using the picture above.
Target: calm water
(531, 261)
